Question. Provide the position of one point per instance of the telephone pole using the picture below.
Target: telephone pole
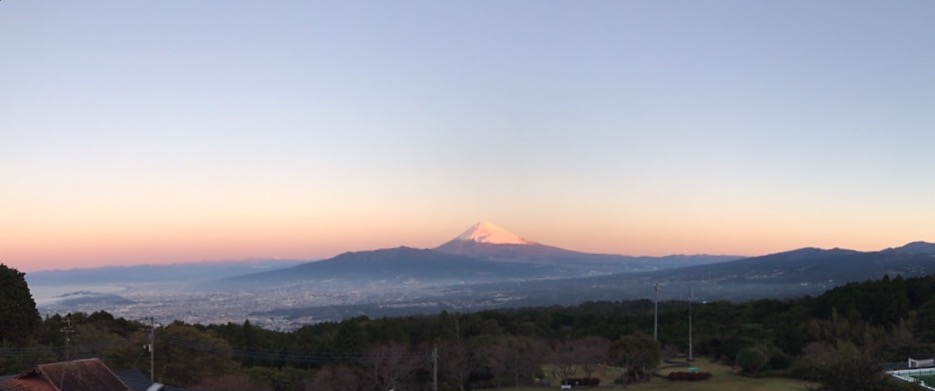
(68, 331)
(656, 314)
(691, 298)
(152, 349)
(435, 367)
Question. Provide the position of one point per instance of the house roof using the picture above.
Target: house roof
(921, 356)
(135, 379)
(78, 375)
(138, 381)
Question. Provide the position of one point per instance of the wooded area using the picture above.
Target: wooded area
(841, 339)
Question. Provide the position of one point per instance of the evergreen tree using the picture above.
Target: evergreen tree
(925, 322)
(186, 355)
(19, 317)
(752, 359)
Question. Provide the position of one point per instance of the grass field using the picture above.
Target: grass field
(724, 379)
(927, 379)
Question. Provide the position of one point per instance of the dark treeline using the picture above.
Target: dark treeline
(840, 339)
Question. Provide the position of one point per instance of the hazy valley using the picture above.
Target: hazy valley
(486, 267)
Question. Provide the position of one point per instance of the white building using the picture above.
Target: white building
(921, 361)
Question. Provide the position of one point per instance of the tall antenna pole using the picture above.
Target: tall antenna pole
(656, 314)
(435, 367)
(68, 331)
(152, 349)
(691, 298)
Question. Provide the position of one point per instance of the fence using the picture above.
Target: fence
(907, 375)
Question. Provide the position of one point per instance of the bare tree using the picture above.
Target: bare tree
(386, 366)
(497, 355)
(591, 353)
(456, 363)
(562, 357)
(335, 378)
(524, 358)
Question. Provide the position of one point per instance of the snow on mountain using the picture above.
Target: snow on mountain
(490, 241)
(486, 232)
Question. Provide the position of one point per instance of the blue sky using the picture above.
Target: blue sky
(176, 130)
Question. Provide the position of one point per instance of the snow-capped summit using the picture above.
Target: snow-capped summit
(486, 232)
(489, 241)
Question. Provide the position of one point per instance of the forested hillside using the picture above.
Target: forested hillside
(838, 338)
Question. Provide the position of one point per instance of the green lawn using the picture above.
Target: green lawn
(927, 379)
(724, 379)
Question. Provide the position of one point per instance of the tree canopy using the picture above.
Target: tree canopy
(19, 317)
(827, 339)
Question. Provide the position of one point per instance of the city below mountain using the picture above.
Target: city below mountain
(484, 267)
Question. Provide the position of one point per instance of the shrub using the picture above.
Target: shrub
(752, 360)
(689, 376)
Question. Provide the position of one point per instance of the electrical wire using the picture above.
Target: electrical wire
(261, 355)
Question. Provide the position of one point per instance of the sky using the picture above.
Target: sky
(179, 131)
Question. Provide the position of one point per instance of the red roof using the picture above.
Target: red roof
(78, 375)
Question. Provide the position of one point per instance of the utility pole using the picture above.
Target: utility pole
(435, 367)
(656, 314)
(691, 298)
(68, 331)
(152, 349)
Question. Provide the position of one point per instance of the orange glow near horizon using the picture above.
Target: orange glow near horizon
(63, 248)
(302, 146)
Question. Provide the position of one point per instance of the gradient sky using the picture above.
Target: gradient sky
(170, 131)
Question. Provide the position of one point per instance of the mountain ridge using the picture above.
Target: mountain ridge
(483, 252)
(484, 275)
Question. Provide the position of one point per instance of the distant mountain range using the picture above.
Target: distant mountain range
(578, 277)
(484, 267)
(484, 253)
(807, 271)
(813, 265)
(156, 273)
(402, 264)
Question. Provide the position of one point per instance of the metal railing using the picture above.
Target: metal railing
(907, 375)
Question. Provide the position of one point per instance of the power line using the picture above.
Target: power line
(291, 357)
(294, 357)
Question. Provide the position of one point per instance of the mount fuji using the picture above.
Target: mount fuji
(491, 267)
(485, 252)
(488, 233)
(487, 240)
